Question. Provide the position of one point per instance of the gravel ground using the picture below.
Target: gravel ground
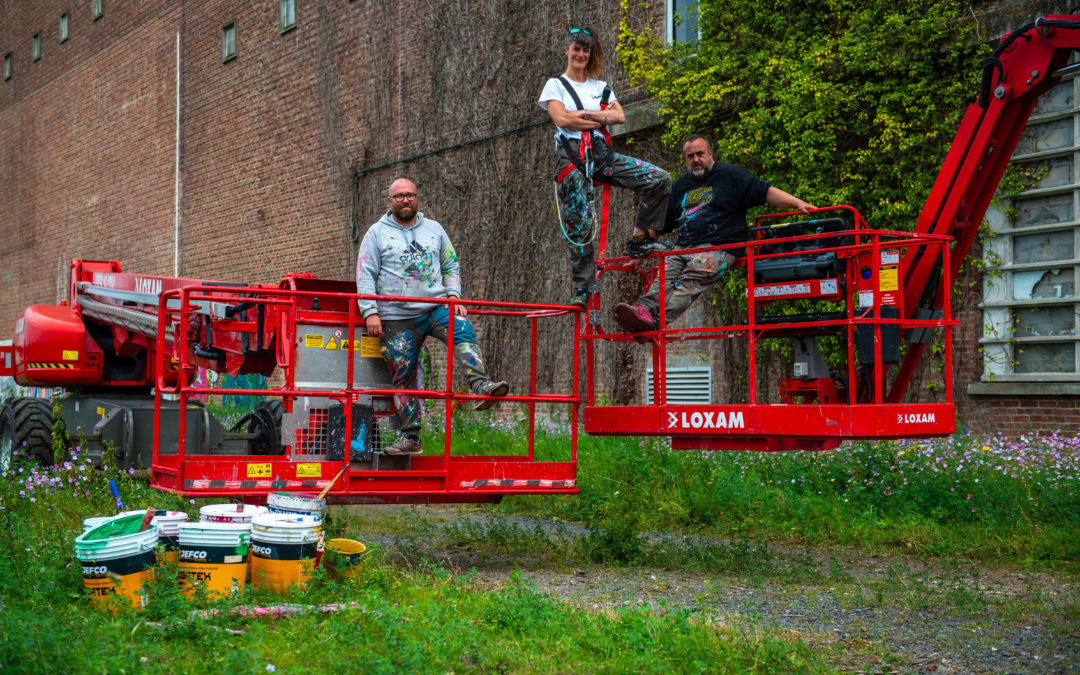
(867, 613)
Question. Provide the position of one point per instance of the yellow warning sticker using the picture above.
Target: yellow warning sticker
(309, 470)
(313, 340)
(101, 411)
(888, 279)
(331, 344)
(258, 470)
(369, 347)
(71, 355)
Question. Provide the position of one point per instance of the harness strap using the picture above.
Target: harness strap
(581, 162)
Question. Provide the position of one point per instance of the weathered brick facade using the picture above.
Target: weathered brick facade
(284, 154)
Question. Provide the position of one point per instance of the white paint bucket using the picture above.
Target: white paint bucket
(229, 513)
(116, 558)
(299, 504)
(168, 527)
(213, 555)
(284, 547)
(93, 521)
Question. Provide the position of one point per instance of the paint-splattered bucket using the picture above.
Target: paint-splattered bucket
(230, 513)
(93, 521)
(299, 504)
(168, 527)
(283, 549)
(344, 556)
(214, 556)
(116, 558)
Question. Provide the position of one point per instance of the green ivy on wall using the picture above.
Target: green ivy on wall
(834, 101)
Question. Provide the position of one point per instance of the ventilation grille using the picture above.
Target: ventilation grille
(684, 385)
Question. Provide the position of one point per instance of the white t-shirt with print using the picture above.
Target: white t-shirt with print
(589, 91)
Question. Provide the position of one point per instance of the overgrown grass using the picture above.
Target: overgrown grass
(415, 618)
(1011, 501)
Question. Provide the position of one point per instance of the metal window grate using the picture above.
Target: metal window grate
(684, 385)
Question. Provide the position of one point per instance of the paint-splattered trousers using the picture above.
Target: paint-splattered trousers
(575, 202)
(400, 347)
(686, 277)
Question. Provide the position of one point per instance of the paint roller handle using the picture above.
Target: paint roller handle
(147, 518)
(322, 495)
(116, 496)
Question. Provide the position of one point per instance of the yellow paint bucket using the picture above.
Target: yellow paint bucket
(116, 559)
(344, 556)
(214, 556)
(283, 549)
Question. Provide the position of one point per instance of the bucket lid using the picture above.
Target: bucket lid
(209, 526)
(118, 526)
(94, 521)
(287, 521)
(296, 500)
(230, 512)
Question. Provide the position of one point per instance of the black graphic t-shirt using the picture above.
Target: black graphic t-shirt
(712, 210)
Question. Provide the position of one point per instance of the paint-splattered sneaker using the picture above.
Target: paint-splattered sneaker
(634, 319)
(580, 299)
(406, 444)
(490, 388)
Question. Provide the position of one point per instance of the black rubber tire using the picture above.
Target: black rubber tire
(30, 422)
(266, 419)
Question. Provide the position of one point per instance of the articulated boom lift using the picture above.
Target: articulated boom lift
(875, 289)
(127, 348)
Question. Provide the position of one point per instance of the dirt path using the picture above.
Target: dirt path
(867, 613)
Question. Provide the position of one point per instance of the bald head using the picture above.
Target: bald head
(403, 200)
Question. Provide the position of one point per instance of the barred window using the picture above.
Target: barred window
(1031, 308)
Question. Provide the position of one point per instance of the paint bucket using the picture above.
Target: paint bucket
(299, 504)
(283, 549)
(116, 558)
(214, 556)
(344, 556)
(228, 513)
(168, 527)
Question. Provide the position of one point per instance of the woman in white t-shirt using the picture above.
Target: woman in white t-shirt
(574, 101)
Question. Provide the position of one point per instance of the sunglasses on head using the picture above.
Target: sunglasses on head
(580, 30)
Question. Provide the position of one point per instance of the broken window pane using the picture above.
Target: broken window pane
(1042, 247)
(1046, 136)
(1045, 358)
(1034, 321)
(1036, 284)
(1058, 99)
(1044, 211)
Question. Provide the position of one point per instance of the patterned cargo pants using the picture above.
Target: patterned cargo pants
(400, 347)
(575, 202)
(686, 277)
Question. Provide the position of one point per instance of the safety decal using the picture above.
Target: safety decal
(309, 470)
(519, 483)
(889, 279)
(369, 347)
(314, 340)
(70, 355)
(54, 366)
(258, 470)
(331, 344)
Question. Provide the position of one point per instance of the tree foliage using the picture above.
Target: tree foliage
(835, 101)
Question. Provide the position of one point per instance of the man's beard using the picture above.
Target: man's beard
(698, 172)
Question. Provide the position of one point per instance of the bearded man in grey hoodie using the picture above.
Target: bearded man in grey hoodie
(405, 254)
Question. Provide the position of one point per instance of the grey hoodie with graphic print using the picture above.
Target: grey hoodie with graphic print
(417, 262)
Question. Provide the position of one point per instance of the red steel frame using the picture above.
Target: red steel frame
(758, 426)
(442, 478)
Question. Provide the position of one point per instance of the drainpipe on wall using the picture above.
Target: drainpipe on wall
(176, 187)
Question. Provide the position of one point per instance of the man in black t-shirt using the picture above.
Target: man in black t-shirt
(707, 207)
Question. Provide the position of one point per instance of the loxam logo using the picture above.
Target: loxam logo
(196, 555)
(94, 570)
(706, 420)
(152, 286)
(915, 418)
(262, 550)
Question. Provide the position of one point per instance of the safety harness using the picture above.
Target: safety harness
(583, 162)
